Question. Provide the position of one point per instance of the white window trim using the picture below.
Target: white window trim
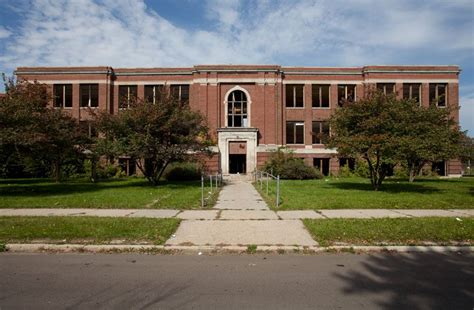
(297, 123)
(249, 105)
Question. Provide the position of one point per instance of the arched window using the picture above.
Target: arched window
(237, 109)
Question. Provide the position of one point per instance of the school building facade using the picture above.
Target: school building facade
(252, 109)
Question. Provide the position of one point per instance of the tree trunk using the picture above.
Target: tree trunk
(57, 170)
(411, 176)
(93, 175)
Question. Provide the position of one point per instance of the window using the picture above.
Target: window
(180, 92)
(320, 96)
(88, 129)
(62, 95)
(322, 164)
(345, 93)
(320, 132)
(237, 109)
(127, 95)
(294, 96)
(294, 132)
(438, 94)
(412, 91)
(153, 93)
(386, 88)
(89, 94)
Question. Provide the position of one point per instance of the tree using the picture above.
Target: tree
(366, 129)
(425, 134)
(467, 152)
(154, 134)
(29, 127)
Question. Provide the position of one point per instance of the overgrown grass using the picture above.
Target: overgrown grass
(357, 193)
(118, 193)
(392, 231)
(88, 230)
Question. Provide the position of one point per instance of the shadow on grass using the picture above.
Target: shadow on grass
(45, 187)
(388, 187)
(414, 281)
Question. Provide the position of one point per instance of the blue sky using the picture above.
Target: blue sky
(136, 33)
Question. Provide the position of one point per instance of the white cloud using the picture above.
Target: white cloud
(4, 33)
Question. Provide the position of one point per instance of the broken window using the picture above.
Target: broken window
(438, 94)
(127, 95)
(320, 96)
(412, 91)
(153, 93)
(294, 132)
(345, 93)
(294, 96)
(180, 92)
(62, 95)
(322, 164)
(386, 88)
(320, 132)
(237, 114)
(89, 95)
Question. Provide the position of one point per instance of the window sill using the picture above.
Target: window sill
(321, 108)
(295, 108)
(83, 108)
(63, 108)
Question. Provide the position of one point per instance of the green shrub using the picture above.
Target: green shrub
(297, 170)
(362, 169)
(185, 171)
(3, 247)
(345, 172)
(400, 171)
(107, 172)
(282, 163)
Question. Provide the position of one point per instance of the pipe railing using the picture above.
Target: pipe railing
(215, 181)
(263, 177)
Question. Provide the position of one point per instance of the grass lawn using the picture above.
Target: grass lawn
(116, 193)
(396, 231)
(89, 230)
(357, 193)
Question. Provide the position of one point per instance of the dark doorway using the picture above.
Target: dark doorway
(439, 168)
(237, 163)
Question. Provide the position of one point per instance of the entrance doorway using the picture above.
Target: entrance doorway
(237, 163)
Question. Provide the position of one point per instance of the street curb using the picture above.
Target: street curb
(229, 249)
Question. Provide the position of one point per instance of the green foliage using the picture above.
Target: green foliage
(184, 171)
(362, 169)
(345, 172)
(31, 131)
(109, 171)
(3, 247)
(251, 249)
(159, 133)
(400, 171)
(384, 130)
(283, 163)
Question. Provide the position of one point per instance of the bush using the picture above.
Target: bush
(297, 170)
(400, 171)
(362, 169)
(283, 163)
(185, 171)
(345, 172)
(109, 171)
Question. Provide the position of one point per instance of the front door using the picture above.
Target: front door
(237, 163)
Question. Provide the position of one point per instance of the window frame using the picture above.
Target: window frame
(157, 89)
(321, 165)
(129, 95)
(63, 103)
(410, 85)
(320, 86)
(437, 85)
(321, 131)
(243, 115)
(293, 95)
(89, 100)
(384, 87)
(295, 125)
(180, 92)
(346, 92)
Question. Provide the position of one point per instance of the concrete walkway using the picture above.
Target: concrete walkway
(239, 194)
(215, 214)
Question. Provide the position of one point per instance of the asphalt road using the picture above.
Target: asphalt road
(324, 281)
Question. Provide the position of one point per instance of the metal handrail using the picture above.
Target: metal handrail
(217, 179)
(260, 175)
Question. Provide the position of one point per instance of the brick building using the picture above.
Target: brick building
(252, 110)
